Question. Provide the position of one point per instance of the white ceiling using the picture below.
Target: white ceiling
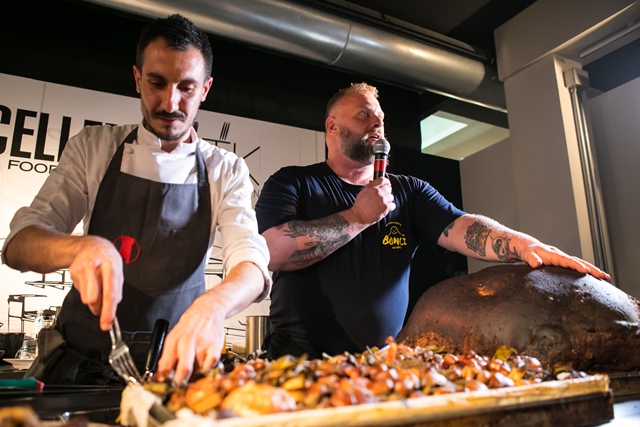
(470, 139)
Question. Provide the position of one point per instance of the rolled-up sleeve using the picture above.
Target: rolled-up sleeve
(236, 219)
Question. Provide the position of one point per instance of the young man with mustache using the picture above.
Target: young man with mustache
(152, 196)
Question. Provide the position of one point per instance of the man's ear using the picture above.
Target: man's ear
(331, 125)
(137, 76)
(205, 89)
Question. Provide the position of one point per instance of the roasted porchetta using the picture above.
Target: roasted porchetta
(258, 386)
(560, 316)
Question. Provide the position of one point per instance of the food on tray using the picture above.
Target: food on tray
(18, 416)
(259, 386)
(257, 399)
(559, 316)
(25, 416)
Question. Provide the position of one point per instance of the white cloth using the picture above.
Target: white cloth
(69, 193)
(135, 405)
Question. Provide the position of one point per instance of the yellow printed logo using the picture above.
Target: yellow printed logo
(394, 237)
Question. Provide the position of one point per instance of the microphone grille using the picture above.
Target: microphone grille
(381, 146)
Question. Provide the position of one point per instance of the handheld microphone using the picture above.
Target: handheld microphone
(381, 150)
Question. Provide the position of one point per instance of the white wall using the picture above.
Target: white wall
(534, 50)
(615, 120)
(488, 188)
(266, 147)
(547, 173)
(560, 27)
(526, 181)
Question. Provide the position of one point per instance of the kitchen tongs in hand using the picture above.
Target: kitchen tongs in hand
(120, 359)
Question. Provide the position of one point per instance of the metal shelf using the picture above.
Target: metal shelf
(61, 284)
(214, 268)
(25, 315)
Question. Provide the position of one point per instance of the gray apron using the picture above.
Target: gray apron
(162, 233)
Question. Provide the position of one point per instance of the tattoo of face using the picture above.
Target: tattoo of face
(502, 250)
(476, 237)
(447, 228)
(328, 234)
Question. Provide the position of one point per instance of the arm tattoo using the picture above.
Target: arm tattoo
(476, 237)
(502, 250)
(328, 234)
(447, 228)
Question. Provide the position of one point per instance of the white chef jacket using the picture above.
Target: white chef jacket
(69, 193)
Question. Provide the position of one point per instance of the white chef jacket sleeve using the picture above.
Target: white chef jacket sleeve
(62, 200)
(236, 219)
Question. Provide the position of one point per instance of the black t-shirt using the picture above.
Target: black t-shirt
(358, 295)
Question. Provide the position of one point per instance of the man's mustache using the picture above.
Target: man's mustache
(166, 115)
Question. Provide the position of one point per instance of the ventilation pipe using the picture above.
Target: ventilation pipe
(303, 31)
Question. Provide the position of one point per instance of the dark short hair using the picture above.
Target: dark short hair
(180, 33)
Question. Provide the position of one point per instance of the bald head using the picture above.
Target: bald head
(353, 88)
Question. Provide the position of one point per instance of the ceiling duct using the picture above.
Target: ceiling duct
(303, 31)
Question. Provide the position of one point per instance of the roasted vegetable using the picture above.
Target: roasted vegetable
(259, 386)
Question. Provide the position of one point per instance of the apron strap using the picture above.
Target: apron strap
(203, 177)
(116, 160)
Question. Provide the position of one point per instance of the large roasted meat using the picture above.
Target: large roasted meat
(557, 315)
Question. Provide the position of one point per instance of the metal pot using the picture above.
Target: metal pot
(256, 330)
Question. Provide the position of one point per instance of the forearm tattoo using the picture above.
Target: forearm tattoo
(328, 234)
(476, 237)
(447, 228)
(502, 250)
(476, 240)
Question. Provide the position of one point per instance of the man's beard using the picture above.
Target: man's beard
(355, 146)
(165, 135)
